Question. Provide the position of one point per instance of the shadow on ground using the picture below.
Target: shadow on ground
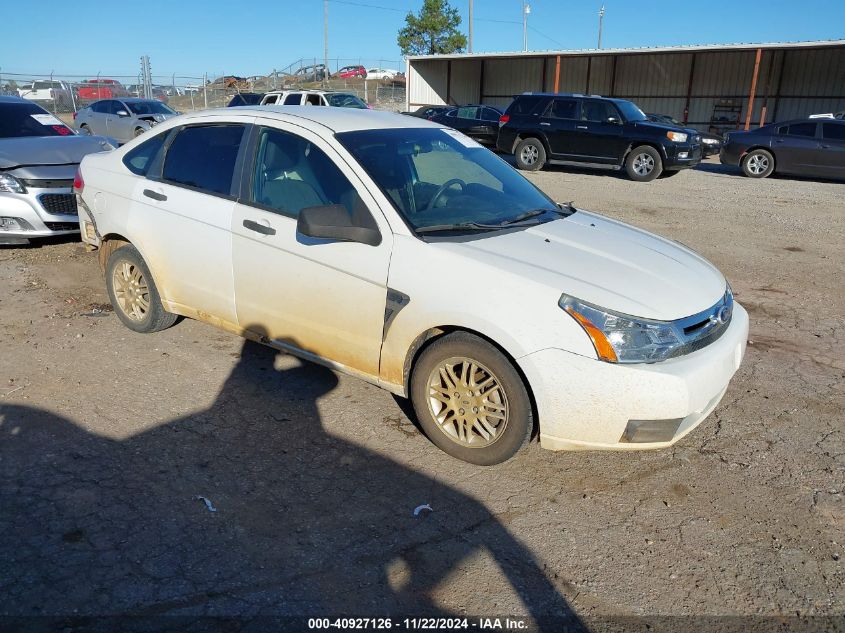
(305, 523)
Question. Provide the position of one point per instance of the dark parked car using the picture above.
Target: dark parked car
(710, 143)
(479, 122)
(245, 99)
(594, 131)
(805, 147)
(427, 112)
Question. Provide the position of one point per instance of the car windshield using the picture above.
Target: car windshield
(149, 107)
(345, 101)
(630, 111)
(439, 178)
(27, 119)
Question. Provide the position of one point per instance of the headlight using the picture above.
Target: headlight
(10, 184)
(710, 141)
(678, 137)
(620, 338)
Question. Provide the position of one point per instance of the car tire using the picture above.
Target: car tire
(530, 154)
(490, 419)
(643, 164)
(138, 131)
(133, 293)
(758, 163)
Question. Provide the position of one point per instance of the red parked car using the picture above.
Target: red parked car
(349, 72)
(94, 89)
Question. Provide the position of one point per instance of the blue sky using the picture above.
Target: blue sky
(191, 37)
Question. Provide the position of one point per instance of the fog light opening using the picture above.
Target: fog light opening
(642, 431)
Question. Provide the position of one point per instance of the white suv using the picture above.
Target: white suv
(313, 97)
(404, 253)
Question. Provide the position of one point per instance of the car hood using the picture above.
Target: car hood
(606, 263)
(666, 127)
(49, 150)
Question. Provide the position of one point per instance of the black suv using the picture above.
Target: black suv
(594, 131)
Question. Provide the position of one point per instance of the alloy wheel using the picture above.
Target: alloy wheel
(529, 154)
(468, 402)
(643, 164)
(758, 164)
(131, 290)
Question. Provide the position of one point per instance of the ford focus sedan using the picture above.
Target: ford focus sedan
(404, 253)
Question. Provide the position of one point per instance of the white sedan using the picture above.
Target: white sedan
(404, 253)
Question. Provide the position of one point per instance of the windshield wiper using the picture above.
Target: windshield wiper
(463, 226)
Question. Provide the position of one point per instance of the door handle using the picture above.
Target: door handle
(155, 195)
(258, 227)
(544, 123)
(823, 146)
(581, 127)
(779, 140)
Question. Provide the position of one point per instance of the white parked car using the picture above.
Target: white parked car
(313, 97)
(404, 253)
(381, 73)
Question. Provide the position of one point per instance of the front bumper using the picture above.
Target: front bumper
(731, 154)
(587, 404)
(37, 213)
(682, 155)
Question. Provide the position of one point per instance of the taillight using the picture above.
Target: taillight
(504, 119)
(78, 182)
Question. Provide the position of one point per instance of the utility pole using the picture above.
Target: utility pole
(470, 26)
(326, 42)
(526, 9)
(601, 20)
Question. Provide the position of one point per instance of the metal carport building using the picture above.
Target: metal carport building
(718, 87)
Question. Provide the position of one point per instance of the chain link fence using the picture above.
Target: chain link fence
(378, 82)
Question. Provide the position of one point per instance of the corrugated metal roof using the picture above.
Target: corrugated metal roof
(647, 49)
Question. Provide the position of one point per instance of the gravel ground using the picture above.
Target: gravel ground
(108, 438)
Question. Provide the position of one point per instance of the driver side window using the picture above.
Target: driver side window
(291, 173)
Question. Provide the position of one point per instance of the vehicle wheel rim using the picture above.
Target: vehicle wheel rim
(131, 291)
(757, 164)
(138, 132)
(643, 164)
(529, 154)
(467, 402)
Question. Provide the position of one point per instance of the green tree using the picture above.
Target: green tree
(434, 31)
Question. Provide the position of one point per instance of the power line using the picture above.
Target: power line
(368, 6)
(551, 39)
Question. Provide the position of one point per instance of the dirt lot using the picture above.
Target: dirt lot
(108, 437)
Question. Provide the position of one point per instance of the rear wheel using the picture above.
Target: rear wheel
(758, 163)
(470, 400)
(643, 164)
(133, 293)
(530, 154)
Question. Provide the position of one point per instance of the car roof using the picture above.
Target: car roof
(335, 119)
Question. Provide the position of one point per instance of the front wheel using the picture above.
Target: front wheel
(758, 164)
(470, 400)
(530, 154)
(138, 131)
(643, 164)
(133, 294)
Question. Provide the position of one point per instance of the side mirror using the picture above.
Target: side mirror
(334, 222)
(613, 120)
(122, 113)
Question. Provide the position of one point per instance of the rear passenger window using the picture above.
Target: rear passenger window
(293, 99)
(271, 99)
(833, 131)
(138, 161)
(203, 157)
(564, 109)
(467, 113)
(488, 114)
(802, 129)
